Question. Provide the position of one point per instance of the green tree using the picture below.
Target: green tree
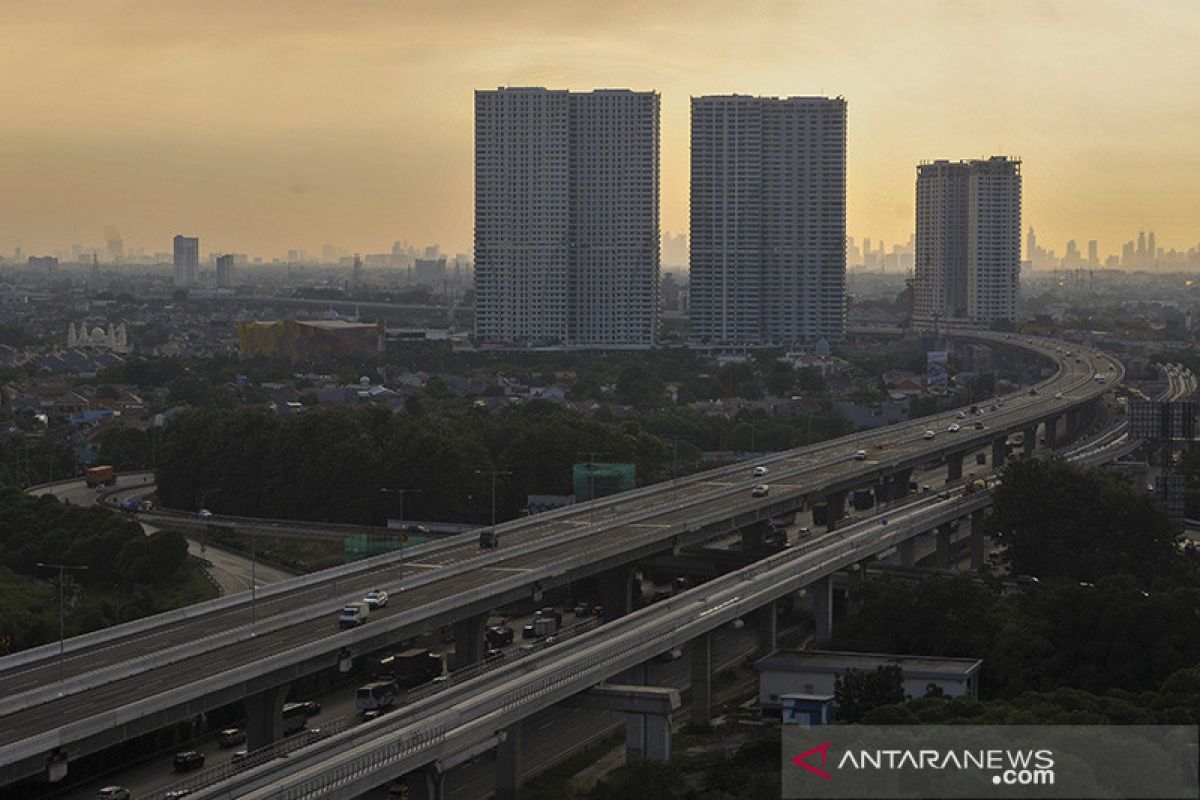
(1059, 519)
(857, 693)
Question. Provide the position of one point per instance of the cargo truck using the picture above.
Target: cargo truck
(100, 476)
(413, 667)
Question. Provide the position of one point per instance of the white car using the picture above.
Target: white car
(376, 599)
(928, 434)
(203, 513)
(1058, 395)
(761, 490)
(860, 455)
(953, 428)
(760, 471)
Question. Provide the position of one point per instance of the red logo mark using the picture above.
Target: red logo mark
(800, 760)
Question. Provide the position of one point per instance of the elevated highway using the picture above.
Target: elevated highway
(141, 676)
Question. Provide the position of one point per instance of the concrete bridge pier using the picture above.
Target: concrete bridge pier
(822, 608)
(768, 629)
(899, 482)
(264, 716)
(998, 452)
(1030, 445)
(1052, 432)
(944, 533)
(977, 542)
(469, 643)
(508, 763)
(701, 669)
(647, 711)
(754, 536)
(835, 508)
(1073, 416)
(616, 592)
(954, 467)
(907, 551)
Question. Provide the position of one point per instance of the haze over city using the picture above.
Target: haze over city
(274, 126)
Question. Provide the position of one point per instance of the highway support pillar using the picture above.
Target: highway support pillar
(822, 608)
(999, 452)
(768, 629)
(907, 550)
(616, 592)
(423, 784)
(1030, 441)
(835, 508)
(977, 559)
(701, 669)
(943, 545)
(647, 711)
(264, 717)
(508, 763)
(954, 467)
(1052, 432)
(1072, 424)
(753, 536)
(469, 641)
(893, 487)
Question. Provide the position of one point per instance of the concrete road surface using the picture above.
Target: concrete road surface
(231, 571)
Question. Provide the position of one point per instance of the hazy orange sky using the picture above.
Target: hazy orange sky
(271, 124)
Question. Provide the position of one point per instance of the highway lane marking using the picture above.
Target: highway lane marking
(508, 569)
(649, 525)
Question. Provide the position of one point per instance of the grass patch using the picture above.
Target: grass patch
(291, 553)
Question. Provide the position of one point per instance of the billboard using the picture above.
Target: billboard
(601, 480)
(937, 369)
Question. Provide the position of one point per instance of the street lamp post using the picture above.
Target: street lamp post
(62, 570)
(403, 527)
(592, 483)
(495, 473)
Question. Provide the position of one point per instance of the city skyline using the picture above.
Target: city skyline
(368, 149)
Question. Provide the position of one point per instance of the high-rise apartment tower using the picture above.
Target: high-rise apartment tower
(566, 217)
(187, 260)
(968, 241)
(768, 220)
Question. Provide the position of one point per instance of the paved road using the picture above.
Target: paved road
(794, 474)
(231, 571)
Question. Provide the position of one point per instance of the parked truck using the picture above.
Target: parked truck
(354, 614)
(100, 476)
(413, 667)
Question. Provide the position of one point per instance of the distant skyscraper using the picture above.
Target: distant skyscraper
(116, 251)
(224, 271)
(187, 260)
(768, 220)
(566, 217)
(1093, 253)
(1141, 250)
(1151, 249)
(968, 241)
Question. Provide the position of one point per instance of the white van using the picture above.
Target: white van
(354, 614)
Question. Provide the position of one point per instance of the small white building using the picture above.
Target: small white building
(812, 672)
